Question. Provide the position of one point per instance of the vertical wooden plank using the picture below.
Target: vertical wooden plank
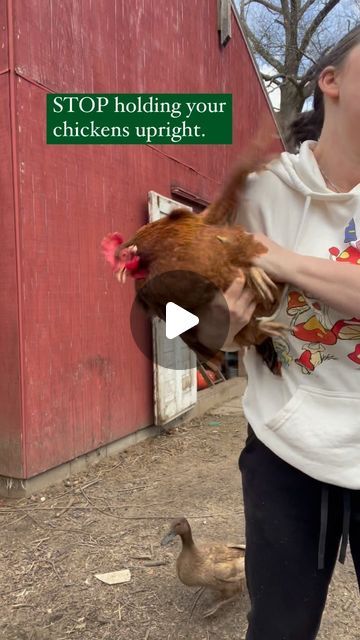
(11, 462)
(4, 62)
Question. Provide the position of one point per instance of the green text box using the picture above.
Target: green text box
(134, 118)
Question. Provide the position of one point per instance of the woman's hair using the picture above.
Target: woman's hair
(308, 124)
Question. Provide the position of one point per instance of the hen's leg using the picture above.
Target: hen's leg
(262, 283)
(273, 329)
(256, 331)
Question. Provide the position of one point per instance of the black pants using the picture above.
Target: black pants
(282, 513)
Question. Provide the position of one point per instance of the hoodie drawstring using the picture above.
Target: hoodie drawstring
(346, 525)
(284, 294)
(324, 513)
(324, 516)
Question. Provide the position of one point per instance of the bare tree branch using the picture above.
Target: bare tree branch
(266, 4)
(275, 79)
(305, 7)
(307, 91)
(329, 6)
(306, 55)
(263, 51)
(285, 9)
(272, 79)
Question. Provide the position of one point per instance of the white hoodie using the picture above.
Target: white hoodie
(310, 416)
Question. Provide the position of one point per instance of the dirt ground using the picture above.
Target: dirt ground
(113, 517)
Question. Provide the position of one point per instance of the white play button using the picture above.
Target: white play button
(178, 320)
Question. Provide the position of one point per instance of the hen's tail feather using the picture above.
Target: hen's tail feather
(225, 208)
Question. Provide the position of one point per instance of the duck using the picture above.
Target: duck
(218, 567)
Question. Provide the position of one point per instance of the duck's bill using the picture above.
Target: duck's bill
(168, 538)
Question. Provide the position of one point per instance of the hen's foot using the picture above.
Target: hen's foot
(262, 283)
(273, 329)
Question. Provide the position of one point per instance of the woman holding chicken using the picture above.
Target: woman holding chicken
(301, 463)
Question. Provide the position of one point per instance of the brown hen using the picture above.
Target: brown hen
(209, 246)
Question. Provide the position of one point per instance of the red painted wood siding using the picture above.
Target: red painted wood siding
(85, 382)
(10, 413)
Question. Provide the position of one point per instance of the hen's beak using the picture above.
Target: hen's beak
(121, 273)
(168, 538)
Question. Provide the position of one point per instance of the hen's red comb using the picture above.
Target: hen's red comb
(109, 245)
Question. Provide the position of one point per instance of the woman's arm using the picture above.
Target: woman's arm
(334, 283)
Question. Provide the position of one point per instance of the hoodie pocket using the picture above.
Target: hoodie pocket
(314, 420)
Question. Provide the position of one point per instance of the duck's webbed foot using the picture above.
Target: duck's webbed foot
(197, 597)
(217, 605)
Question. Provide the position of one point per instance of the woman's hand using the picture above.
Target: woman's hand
(278, 263)
(241, 305)
(231, 310)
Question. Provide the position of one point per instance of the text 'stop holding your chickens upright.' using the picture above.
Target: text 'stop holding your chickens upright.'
(164, 118)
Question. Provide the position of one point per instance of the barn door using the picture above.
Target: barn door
(174, 389)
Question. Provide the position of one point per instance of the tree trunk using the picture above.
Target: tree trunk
(291, 105)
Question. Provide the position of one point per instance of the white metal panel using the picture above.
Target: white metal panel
(175, 390)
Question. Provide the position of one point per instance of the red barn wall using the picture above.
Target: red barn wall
(11, 449)
(84, 381)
